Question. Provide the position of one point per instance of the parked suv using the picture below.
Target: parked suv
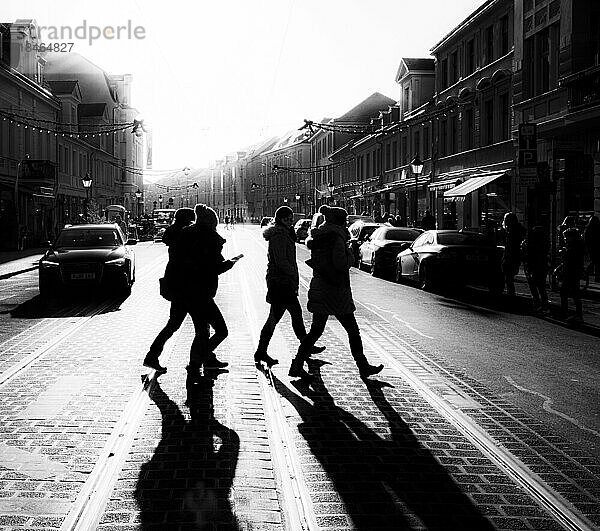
(301, 229)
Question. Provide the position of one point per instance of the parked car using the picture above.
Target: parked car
(301, 229)
(359, 231)
(451, 257)
(90, 255)
(265, 221)
(355, 217)
(158, 236)
(379, 250)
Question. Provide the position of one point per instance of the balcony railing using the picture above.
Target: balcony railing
(583, 88)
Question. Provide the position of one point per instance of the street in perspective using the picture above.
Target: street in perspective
(242, 288)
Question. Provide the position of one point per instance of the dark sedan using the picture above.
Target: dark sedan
(301, 229)
(87, 256)
(379, 251)
(449, 258)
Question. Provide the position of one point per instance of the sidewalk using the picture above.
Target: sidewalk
(16, 262)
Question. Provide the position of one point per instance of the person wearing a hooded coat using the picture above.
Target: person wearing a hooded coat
(202, 262)
(282, 282)
(330, 292)
(183, 217)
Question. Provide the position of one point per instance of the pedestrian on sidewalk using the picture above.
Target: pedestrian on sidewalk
(203, 262)
(572, 261)
(183, 217)
(511, 261)
(591, 237)
(282, 282)
(330, 292)
(535, 251)
(227, 222)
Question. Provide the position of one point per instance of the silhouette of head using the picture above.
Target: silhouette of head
(184, 216)
(335, 215)
(283, 212)
(206, 216)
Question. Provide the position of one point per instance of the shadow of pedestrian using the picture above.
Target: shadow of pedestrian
(386, 480)
(186, 484)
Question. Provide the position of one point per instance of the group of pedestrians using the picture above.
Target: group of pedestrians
(190, 283)
(533, 250)
(191, 279)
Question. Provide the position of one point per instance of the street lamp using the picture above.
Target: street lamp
(331, 188)
(138, 196)
(416, 166)
(26, 157)
(87, 183)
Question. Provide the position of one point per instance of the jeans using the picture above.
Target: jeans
(317, 327)
(275, 314)
(212, 314)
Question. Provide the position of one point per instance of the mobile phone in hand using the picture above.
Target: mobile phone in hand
(236, 258)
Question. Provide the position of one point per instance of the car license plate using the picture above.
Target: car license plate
(476, 258)
(83, 276)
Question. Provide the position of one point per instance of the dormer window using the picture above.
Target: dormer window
(406, 98)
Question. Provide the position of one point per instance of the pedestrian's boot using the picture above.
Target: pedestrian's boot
(265, 358)
(370, 370)
(213, 363)
(317, 350)
(151, 361)
(297, 370)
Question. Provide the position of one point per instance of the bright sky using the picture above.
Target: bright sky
(215, 77)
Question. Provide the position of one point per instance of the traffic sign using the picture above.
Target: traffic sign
(528, 175)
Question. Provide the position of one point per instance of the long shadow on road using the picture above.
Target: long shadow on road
(385, 483)
(186, 483)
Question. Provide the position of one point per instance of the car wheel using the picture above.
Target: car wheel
(425, 277)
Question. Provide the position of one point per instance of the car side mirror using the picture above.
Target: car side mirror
(131, 241)
(404, 246)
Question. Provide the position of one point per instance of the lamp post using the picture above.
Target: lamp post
(298, 201)
(331, 188)
(87, 183)
(17, 214)
(138, 196)
(416, 166)
(160, 201)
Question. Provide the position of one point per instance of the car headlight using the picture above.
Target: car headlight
(116, 261)
(48, 263)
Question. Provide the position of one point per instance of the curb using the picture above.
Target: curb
(14, 273)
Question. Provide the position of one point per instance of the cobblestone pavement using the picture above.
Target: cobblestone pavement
(87, 441)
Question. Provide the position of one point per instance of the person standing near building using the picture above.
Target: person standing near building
(511, 261)
(330, 292)
(535, 251)
(591, 237)
(572, 260)
(282, 282)
(428, 221)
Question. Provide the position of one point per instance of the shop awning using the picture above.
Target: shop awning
(472, 184)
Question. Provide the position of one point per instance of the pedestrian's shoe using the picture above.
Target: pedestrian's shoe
(297, 370)
(265, 358)
(317, 350)
(152, 363)
(370, 370)
(213, 363)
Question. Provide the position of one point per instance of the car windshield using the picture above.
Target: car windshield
(88, 238)
(403, 235)
(459, 238)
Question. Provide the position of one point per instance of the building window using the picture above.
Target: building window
(453, 67)
(444, 73)
(489, 44)
(468, 129)
(416, 143)
(470, 57)
(443, 137)
(488, 122)
(426, 142)
(368, 165)
(504, 117)
(504, 37)
(388, 156)
(394, 154)
(454, 134)
(404, 153)
(406, 99)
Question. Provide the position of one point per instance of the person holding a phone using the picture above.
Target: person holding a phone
(282, 283)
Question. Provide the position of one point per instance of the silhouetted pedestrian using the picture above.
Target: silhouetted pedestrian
(203, 262)
(428, 221)
(330, 292)
(183, 217)
(572, 269)
(282, 282)
(511, 261)
(226, 220)
(535, 251)
(591, 237)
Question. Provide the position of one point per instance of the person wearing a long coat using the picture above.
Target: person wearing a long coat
(330, 292)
